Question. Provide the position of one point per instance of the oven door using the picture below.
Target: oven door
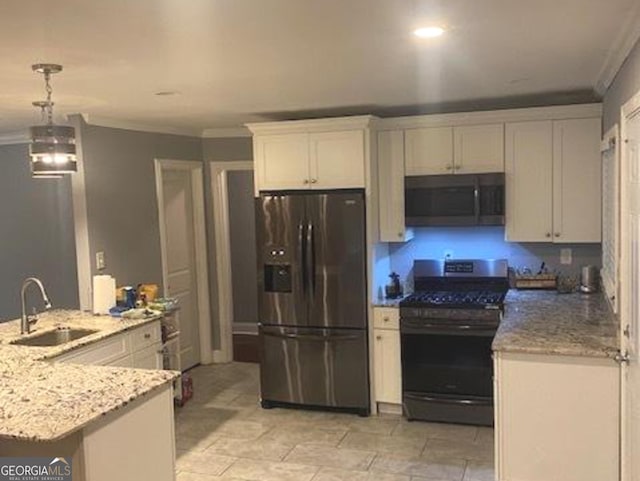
(447, 372)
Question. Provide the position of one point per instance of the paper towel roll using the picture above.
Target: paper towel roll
(104, 294)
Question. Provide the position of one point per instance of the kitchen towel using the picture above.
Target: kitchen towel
(104, 294)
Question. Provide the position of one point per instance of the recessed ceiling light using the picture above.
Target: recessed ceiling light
(428, 32)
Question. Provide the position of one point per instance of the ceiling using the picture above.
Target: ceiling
(234, 61)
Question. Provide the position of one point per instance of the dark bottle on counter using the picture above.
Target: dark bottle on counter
(393, 290)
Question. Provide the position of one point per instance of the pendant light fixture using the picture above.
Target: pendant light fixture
(53, 147)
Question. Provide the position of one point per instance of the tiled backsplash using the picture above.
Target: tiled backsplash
(485, 243)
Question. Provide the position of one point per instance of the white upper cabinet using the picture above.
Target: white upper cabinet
(529, 181)
(312, 154)
(337, 159)
(391, 186)
(577, 178)
(467, 149)
(428, 151)
(478, 149)
(282, 161)
(553, 177)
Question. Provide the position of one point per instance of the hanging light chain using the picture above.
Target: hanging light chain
(49, 90)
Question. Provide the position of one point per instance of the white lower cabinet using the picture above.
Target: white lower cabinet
(557, 418)
(140, 348)
(148, 358)
(386, 356)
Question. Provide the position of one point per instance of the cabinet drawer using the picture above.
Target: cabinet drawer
(101, 353)
(386, 318)
(148, 358)
(145, 336)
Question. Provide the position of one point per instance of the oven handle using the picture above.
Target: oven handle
(311, 337)
(448, 400)
(443, 328)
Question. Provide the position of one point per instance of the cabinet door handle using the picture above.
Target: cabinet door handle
(456, 167)
(147, 336)
(548, 234)
(314, 181)
(378, 338)
(305, 181)
(385, 319)
(449, 167)
(400, 234)
(557, 234)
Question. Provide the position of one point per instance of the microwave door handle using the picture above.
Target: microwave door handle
(476, 199)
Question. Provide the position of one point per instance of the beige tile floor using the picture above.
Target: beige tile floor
(222, 434)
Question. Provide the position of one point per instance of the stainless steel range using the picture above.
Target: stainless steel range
(447, 327)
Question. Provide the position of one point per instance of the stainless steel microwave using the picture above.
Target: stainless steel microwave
(454, 200)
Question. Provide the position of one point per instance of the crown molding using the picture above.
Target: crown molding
(627, 37)
(14, 138)
(556, 112)
(314, 125)
(126, 125)
(225, 132)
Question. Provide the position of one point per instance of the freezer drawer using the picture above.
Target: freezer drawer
(314, 367)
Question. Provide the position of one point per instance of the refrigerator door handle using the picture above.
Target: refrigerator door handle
(312, 337)
(311, 259)
(302, 256)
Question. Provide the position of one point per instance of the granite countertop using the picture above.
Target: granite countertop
(42, 400)
(544, 322)
(388, 302)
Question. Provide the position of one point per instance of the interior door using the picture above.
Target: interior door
(280, 237)
(335, 243)
(181, 265)
(630, 312)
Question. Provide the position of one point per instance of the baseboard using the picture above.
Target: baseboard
(388, 408)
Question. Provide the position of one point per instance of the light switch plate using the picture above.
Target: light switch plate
(566, 256)
(100, 263)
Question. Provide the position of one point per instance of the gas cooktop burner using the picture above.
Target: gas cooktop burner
(454, 299)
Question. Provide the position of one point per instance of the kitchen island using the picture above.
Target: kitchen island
(100, 417)
(557, 388)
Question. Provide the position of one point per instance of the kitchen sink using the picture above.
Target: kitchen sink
(61, 335)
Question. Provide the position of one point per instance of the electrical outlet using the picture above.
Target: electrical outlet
(100, 264)
(566, 256)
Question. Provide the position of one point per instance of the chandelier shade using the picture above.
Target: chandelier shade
(52, 147)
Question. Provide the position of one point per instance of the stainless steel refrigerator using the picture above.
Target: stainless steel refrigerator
(312, 300)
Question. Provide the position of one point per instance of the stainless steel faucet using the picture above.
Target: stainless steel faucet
(27, 320)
